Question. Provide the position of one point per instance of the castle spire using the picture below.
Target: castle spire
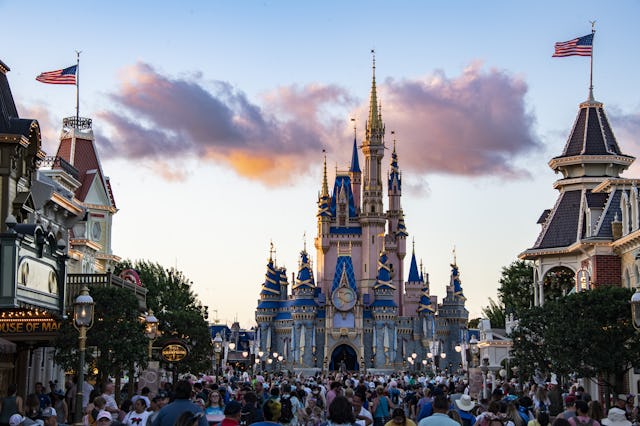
(325, 185)
(374, 124)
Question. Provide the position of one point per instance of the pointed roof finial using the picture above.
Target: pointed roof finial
(355, 163)
(304, 241)
(454, 255)
(272, 251)
(325, 185)
(413, 242)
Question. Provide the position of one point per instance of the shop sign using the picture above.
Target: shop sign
(174, 352)
(20, 326)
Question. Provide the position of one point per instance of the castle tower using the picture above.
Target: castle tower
(355, 174)
(396, 239)
(373, 219)
(304, 310)
(385, 311)
(412, 287)
(268, 306)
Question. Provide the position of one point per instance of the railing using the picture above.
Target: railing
(80, 123)
(60, 163)
(75, 282)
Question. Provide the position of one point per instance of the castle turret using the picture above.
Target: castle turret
(355, 174)
(373, 219)
(304, 311)
(385, 311)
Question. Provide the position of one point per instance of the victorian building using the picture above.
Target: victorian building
(360, 309)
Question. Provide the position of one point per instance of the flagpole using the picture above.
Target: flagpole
(78, 87)
(593, 32)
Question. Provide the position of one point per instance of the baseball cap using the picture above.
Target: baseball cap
(15, 420)
(48, 412)
(103, 414)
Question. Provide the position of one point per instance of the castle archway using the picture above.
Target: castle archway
(345, 357)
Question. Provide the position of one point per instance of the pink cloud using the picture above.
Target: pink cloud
(475, 124)
(49, 127)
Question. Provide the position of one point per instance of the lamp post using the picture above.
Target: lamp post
(424, 365)
(217, 349)
(635, 309)
(443, 355)
(473, 343)
(151, 330)
(83, 308)
(260, 355)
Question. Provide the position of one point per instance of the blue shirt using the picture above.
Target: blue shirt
(438, 419)
(169, 414)
(425, 411)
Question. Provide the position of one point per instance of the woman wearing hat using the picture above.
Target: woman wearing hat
(616, 417)
(464, 405)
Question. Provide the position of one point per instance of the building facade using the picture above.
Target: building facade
(360, 309)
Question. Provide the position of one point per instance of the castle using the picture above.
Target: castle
(359, 313)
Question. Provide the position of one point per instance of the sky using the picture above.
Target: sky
(211, 119)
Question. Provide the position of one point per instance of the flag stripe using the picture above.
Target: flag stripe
(580, 46)
(63, 76)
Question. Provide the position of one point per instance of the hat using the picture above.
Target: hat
(102, 414)
(616, 417)
(15, 420)
(622, 397)
(464, 403)
(49, 412)
(59, 392)
(232, 408)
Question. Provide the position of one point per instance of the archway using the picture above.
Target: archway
(344, 356)
(558, 282)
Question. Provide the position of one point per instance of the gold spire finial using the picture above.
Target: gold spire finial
(272, 251)
(354, 127)
(454, 255)
(304, 241)
(325, 186)
(413, 242)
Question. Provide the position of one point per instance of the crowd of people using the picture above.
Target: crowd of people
(331, 400)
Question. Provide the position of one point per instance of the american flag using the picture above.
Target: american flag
(63, 76)
(581, 46)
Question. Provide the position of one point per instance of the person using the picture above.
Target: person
(43, 397)
(189, 419)
(335, 389)
(399, 418)
(616, 417)
(464, 405)
(168, 415)
(50, 417)
(10, 405)
(157, 402)
(596, 411)
(232, 414)
(250, 413)
(541, 419)
(103, 418)
(139, 415)
(19, 420)
(60, 405)
(363, 416)
(570, 407)
(270, 412)
(32, 407)
(93, 409)
(381, 407)
(291, 407)
(340, 412)
(582, 415)
(439, 416)
(215, 407)
(454, 415)
(111, 405)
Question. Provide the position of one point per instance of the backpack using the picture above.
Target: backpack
(286, 410)
(395, 396)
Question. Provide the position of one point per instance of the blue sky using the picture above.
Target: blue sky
(211, 118)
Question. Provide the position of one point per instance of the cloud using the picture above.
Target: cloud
(48, 126)
(473, 125)
(626, 127)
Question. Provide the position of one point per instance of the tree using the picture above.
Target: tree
(117, 335)
(588, 333)
(516, 287)
(495, 314)
(180, 314)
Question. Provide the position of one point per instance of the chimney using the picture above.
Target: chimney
(616, 228)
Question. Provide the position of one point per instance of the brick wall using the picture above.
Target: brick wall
(607, 270)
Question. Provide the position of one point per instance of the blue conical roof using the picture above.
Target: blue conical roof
(271, 285)
(402, 229)
(414, 275)
(355, 164)
(305, 273)
(383, 279)
(394, 173)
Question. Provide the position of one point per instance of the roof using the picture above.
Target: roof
(344, 271)
(305, 273)
(342, 188)
(355, 164)
(271, 284)
(383, 279)
(394, 174)
(414, 275)
(561, 227)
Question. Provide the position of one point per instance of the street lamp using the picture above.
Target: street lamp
(424, 364)
(151, 330)
(635, 309)
(217, 349)
(473, 343)
(83, 308)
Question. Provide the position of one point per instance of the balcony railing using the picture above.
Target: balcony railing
(75, 282)
(60, 163)
(80, 123)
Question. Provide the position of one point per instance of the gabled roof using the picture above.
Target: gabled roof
(342, 188)
(561, 227)
(414, 275)
(344, 271)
